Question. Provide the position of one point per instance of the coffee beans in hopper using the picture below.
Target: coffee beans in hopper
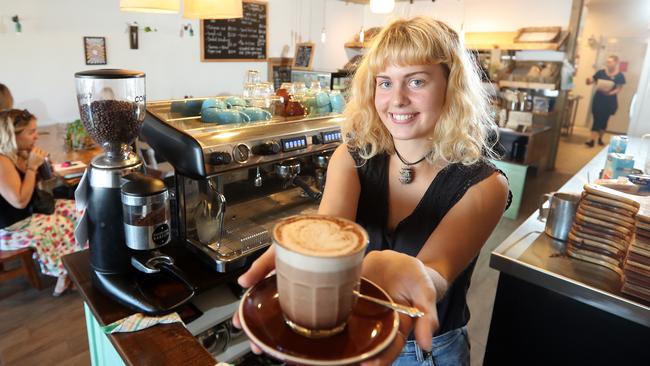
(111, 121)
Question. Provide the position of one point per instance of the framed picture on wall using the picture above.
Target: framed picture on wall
(304, 56)
(95, 50)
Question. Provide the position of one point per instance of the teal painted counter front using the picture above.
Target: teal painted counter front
(102, 352)
(516, 174)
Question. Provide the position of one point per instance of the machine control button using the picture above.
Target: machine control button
(241, 153)
(219, 158)
(267, 148)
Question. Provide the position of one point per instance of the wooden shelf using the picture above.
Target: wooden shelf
(358, 45)
(505, 41)
(526, 85)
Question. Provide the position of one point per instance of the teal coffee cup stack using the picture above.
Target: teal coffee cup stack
(223, 116)
(256, 114)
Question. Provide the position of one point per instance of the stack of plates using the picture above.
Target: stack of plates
(637, 263)
(603, 227)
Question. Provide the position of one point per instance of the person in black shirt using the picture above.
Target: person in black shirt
(609, 82)
(414, 172)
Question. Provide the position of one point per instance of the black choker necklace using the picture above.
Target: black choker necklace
(406, 173)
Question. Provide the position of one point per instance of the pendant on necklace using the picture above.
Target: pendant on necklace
(405, 174)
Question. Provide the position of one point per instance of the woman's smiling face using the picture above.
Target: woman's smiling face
(409, 99)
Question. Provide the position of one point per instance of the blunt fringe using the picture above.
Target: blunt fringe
(462, 132)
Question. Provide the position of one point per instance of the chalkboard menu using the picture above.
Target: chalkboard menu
(279, 70)
(243, 39)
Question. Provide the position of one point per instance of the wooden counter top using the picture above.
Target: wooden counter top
(51, 138)
(163, 344)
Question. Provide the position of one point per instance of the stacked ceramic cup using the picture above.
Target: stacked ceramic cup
(603, 227)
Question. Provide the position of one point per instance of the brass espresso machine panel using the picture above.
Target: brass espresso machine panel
(234, 181)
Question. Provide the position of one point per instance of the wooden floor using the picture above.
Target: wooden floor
(38, 329)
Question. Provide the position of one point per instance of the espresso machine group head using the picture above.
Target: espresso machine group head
(112, 110)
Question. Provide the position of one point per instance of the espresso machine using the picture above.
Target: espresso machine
(127, 216)
(234, 181)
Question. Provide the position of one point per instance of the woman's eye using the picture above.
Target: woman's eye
(383, 84)
(416, 83)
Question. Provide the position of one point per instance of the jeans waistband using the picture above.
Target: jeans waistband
(437, 342)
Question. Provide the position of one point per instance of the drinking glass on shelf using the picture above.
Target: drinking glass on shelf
(249, 90)
(314, 87)
(252, 77)
(299, 89)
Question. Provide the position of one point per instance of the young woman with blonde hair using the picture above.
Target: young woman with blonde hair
(414, 172)
(52, 236)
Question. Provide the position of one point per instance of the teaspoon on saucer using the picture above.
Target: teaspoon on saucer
(403, 309)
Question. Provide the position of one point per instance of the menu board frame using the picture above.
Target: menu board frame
(304, 56)
(225, 59)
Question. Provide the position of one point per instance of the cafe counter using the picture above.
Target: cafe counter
(552, 309)
(162, 344)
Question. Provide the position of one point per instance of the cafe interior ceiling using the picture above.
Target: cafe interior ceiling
(192, 9)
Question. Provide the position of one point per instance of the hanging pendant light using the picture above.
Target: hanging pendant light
(382, 6)
(151, 6)
(213, 9)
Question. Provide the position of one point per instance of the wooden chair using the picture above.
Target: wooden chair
(26, 266)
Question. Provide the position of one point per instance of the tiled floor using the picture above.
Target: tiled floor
(572, 155)
(36, 328)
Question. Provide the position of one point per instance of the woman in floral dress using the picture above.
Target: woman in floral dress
(51, 236)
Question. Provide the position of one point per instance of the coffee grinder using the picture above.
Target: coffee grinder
(112, 110)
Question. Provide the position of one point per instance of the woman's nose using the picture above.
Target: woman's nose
(400, 97)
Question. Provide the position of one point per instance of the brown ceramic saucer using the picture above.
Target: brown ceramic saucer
(369, 330)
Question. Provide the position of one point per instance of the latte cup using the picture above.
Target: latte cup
(318, 262)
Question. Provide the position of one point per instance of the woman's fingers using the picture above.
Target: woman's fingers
(235, 320)
(260, 268)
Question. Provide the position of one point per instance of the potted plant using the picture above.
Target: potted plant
(76, 137)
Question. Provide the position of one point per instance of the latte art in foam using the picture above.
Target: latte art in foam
(320, 236)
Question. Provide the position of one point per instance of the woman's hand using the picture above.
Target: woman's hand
(589, 81)
(407, 281)
(261, 268)
(35, 158)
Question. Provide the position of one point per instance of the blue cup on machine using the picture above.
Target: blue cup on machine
(235, 102)
(257, 114)
(213, 103)
(187, 108)
(223, 116)
(337, 101)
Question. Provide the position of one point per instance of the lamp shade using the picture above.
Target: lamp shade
(213, 9)
(151, 6)
(382, 6)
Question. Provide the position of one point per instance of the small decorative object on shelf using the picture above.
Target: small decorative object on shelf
(76, 137)
(19, 27)
(187, 28)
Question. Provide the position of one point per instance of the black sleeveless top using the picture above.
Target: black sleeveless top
(10, 215)
(446, 189)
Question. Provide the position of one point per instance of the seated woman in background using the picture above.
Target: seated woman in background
(6, 99)
(52, 236)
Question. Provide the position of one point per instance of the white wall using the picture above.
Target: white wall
(39, 65)
(640, 123)
(609, 21)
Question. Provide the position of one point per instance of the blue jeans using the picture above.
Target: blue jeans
(449, 349)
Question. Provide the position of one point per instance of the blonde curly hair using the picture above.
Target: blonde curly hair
(461, 133)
